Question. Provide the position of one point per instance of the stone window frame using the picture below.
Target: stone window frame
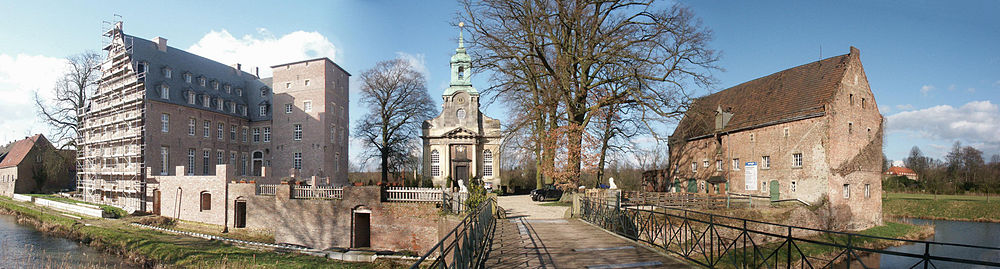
(267, 134)
(189, 168)
(765, 162)
(435, 163)
(232, 132)
(207, 129)
(220, 157)
(256, 135)
(221, 131)
(797, 160)
(786, 132)
(307, 106)
(206, 161)
(244, 132)
(165, 123)
(191, 126)
(487, 163)
(297, 160)
(868, 193)
(847, 191)
(718, 165)
(460, 113)
(736, 164)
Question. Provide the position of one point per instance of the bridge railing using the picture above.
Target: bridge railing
(466, 245)
(715, 241)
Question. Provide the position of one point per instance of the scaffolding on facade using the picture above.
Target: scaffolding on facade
(110, 154)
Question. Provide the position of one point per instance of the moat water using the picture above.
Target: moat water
(945, 231)
(22, 246)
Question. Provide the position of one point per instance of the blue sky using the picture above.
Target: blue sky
(934, 66)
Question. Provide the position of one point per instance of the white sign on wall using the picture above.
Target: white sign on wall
(750, 176)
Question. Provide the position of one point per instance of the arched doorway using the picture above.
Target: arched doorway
(240, 208)
(361, 227)
(258, 162)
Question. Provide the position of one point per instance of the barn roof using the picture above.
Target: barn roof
(18, 150)
(793, 94)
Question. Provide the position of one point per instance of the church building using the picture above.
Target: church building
(461, 143)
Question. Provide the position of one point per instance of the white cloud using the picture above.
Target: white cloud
(264, 49)
(20, 76)
(904, 107)
(926, 88)
(976, 122)
(417, 61)
(884, 109)
(952, 87)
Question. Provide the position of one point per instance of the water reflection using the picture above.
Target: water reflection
(945, 231)
(21, 246)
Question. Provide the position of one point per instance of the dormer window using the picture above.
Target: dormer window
(239, 92)
(263, 91)
(187, 78)
(167, 73)
(228, 90)
(190, 97)
(201, 81)
(164, 91)
(206, 101)
(215, 85)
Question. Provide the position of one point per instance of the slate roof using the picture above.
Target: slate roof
(793, 94)
(18, 150)
(897, 170)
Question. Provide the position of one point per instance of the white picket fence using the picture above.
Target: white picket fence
(413, 194)
(267, 189)
(307, 192)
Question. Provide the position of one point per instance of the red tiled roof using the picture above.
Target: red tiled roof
(795, 93)
(20, 149)
(898, 170)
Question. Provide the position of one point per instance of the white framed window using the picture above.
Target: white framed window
(307, 105)
(206, 133)
(219, 134)
(307, 82)
(718, 165)
(228, 88)
(736, 164)
(220, 104)
(868, 193)
(704, 163)
(263, 110)
(164, 160)
(267, 134)
(796, 159)
(243, 164)
(165, 122)
(232, 132)
(201, 81)
(435, 163)
(206, 164)
(487, 163)
(694, 167)
(167, 73)
(765, 162)
(220, 157)
(847, 191)
(244, 134)
(786, 132)
(297, 132)
(460, 114)
(256, 135)
(191, 99)
(187, 78)
(297, 160)
(206, 101)
(232, 108)
(189, 169)
(288, 108)
(243, 110)
(191, 123)
(164, 91)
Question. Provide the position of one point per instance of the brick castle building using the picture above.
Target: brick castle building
(158, 107)
(808, 133)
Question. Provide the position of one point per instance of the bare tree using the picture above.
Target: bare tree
(397, 101)
(572, 50)
(71, 93)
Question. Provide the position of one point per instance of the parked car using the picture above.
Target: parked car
(547, 193)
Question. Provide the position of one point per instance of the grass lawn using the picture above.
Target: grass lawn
(116, 212)
(947, 207)
(117, 236)
(926, 196)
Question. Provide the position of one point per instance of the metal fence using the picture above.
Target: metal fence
(466, 245)
(720, 241)
(317, 192)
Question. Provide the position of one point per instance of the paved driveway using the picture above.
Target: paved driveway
(521, 206)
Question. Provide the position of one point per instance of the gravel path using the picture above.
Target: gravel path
(523, 206)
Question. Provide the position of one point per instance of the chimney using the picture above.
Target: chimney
(161, 43)
(256, 71)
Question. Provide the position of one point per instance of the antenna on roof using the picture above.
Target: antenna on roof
(821, 52)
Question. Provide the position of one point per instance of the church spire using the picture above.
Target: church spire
(461, 65)
(461, 41)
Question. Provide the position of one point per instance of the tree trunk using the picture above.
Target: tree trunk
(385, 166)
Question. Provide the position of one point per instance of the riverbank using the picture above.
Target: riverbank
(946, 207)
(149, 248)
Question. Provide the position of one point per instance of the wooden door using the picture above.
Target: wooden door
(362, 230)
(241, 214)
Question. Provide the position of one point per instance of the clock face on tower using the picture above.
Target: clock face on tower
(460, 100)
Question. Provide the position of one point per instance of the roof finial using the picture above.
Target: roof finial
(461, 42)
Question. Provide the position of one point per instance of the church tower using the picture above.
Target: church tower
(461, 144)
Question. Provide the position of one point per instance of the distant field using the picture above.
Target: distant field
(949, 207)
(897, 195)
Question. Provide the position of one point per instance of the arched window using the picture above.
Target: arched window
(487, 163)
(435, 163)
(460, 114)
(461, 72)
(206, 201)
